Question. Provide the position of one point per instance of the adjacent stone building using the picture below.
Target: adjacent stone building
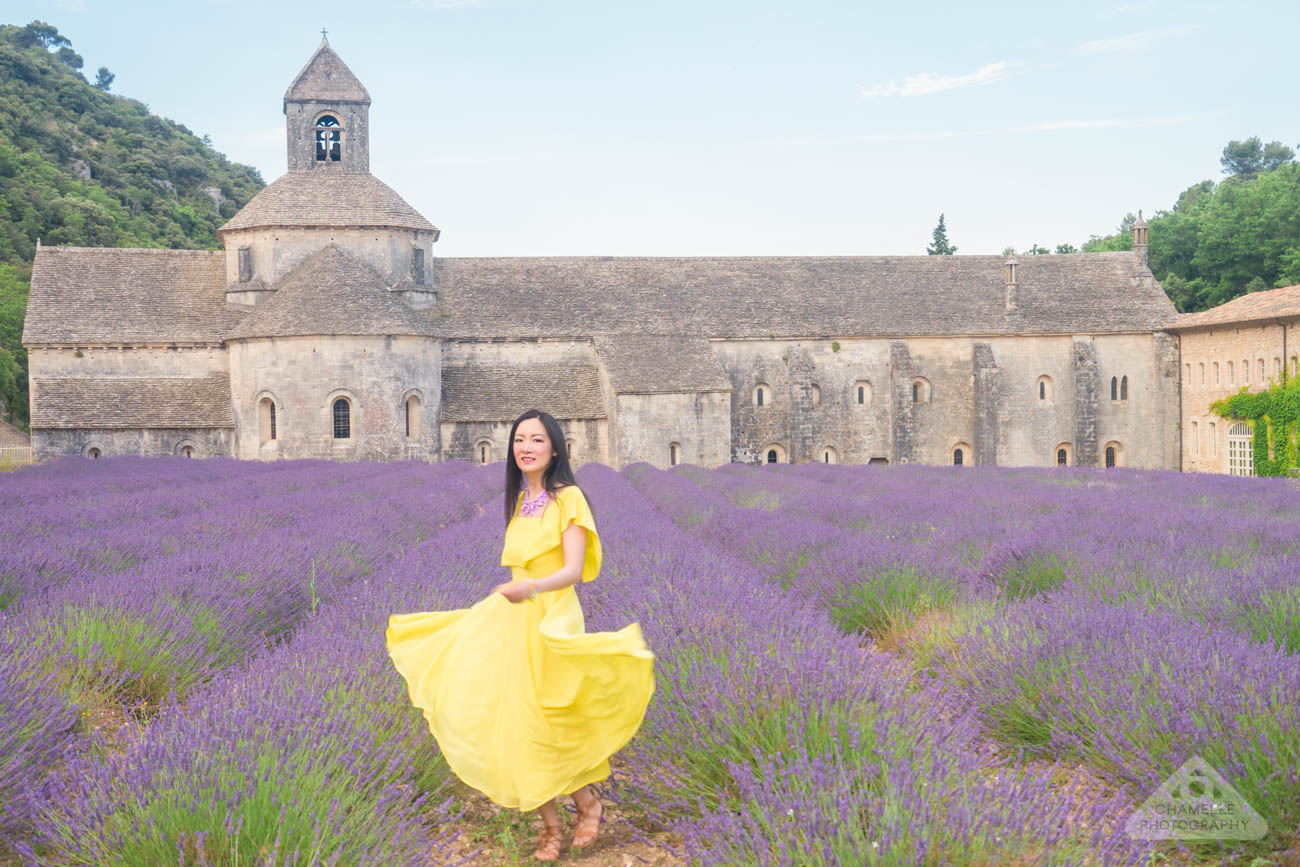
(1249, 342)
(327, 328)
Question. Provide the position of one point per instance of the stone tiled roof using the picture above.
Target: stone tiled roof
(331, 293)
(12, 436)
(118, 295)
(326, 78)
(796, 296)
(647, 363)
(332, 199)
(122, 403)
(493, 392)
(1271, 304)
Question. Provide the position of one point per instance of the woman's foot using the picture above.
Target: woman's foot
(588, 822)
(548, 844)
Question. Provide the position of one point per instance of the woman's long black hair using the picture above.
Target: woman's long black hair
(557, 473)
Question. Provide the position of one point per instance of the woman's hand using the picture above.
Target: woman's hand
(515, 591)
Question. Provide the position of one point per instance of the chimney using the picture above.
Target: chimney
(1140, 239)
(1012, 265)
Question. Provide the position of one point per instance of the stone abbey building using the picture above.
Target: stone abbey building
(328, 327)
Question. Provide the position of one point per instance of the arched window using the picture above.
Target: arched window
(1063, 451)
(862, 392)
(830, 456)
(342, 419)
(1216, 372)
(1214, 440)
(187, 451)
(816, 394)
(1114, 453)
(266, 416)
(771, 456)
(1232, 379)
(93, 452)
(483, 451)
(1200, 365)
(1187, 373)
(774, 453)
(329, 139)
(1123, 388)
(1277, 368)
(1196, 439)
(1114, 388)
(1045, 389)
(413, 417)
(1241, 451)
(960, 455)
(762, 392)
(1245, 371)
(1261, 372)
(920, 390)
(674, 454)
(956, 457)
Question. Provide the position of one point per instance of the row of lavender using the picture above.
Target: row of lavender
(1125, 621)
(208, 607)
(776, 737)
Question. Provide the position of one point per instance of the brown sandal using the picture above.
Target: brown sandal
(549, 842)
(588, 824)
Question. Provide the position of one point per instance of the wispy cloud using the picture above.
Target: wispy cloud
(925, 83)
(1026, 129)
(1129, 42)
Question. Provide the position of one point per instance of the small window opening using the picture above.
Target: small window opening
(412, 417)
(187, 452)
(1110, 456)
(860, 393)
(1062, 458)
(417, 266)
(674, 454)
(816, 394)
(1123, 387)
(1114, 388)
(245, 264)
(957, 457)
(916, 390)
(94, 453)
(329, 139)
(342, 419)
(771, 456)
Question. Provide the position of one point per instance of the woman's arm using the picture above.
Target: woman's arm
(574, 541)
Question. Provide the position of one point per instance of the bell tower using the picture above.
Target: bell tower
(327, 116)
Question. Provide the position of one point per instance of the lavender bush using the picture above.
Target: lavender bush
(920, 665)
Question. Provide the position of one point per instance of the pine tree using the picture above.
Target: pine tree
(939, 246)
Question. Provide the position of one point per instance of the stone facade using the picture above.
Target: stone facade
(1248, 343)
(327, 299)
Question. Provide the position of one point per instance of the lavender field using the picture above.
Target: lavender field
(855, 666)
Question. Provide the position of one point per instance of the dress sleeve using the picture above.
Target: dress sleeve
(576, 511)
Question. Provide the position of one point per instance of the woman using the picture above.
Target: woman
(526, 705)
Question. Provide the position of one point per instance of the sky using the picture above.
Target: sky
(698, 128)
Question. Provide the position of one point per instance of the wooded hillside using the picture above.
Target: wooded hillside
(82, 166)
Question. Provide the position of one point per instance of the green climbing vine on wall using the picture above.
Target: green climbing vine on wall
(1275, 416)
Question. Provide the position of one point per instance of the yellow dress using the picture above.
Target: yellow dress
(526, 705)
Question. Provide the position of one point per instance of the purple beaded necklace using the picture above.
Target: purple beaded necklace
(533, 507)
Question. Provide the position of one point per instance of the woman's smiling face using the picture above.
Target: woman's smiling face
(532, 447)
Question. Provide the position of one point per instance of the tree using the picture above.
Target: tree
(1035, 250)
(104, 79)
(1246, 159)
(939, 245)
(70, 58)
(45, 35)
(1066, 248)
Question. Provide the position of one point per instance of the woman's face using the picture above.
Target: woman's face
(532, 447)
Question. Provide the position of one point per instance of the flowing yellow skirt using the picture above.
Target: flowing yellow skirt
(525, 705)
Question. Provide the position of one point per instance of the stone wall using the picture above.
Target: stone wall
(304, 375)
(1204, 435)
(277, 252)
(983, 397)
(152, 361)
(648, 425)
(464, 441)
(204, 442)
